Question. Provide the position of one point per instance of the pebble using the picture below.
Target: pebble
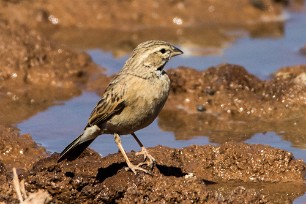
(201, 108)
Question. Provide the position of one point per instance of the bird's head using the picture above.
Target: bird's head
(152, 55)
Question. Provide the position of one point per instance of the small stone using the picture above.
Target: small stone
(201, 108)
(210, 91)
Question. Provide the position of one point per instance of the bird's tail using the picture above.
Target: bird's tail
(75, 148)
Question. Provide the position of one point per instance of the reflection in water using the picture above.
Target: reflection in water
(220, 130)
(186, 126)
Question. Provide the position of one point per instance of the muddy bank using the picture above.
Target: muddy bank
(204, 27)
(230, 91)
(228, 173)
(18, 151)
(34, 73)
(132, 15)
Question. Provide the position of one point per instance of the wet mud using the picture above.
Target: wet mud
(36, 73)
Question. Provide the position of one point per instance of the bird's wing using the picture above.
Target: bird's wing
(111, 103)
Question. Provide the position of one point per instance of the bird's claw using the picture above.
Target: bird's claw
(133, 168)
(148, 158)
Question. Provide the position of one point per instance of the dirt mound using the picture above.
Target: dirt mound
(230, 172)
(229, 90)
(34, 73)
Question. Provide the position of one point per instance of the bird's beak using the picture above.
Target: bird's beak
(176, 51)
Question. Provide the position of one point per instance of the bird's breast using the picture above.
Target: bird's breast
(144, 99)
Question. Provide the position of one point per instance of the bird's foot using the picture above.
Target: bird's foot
(148, 159)
(133, 168)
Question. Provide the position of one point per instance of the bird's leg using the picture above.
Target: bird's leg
(131, 166)
(150, 161)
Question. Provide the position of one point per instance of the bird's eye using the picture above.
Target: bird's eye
(163, 50)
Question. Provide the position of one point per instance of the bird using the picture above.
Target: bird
(131, 101)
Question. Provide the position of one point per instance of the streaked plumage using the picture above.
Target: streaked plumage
(131, 101)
